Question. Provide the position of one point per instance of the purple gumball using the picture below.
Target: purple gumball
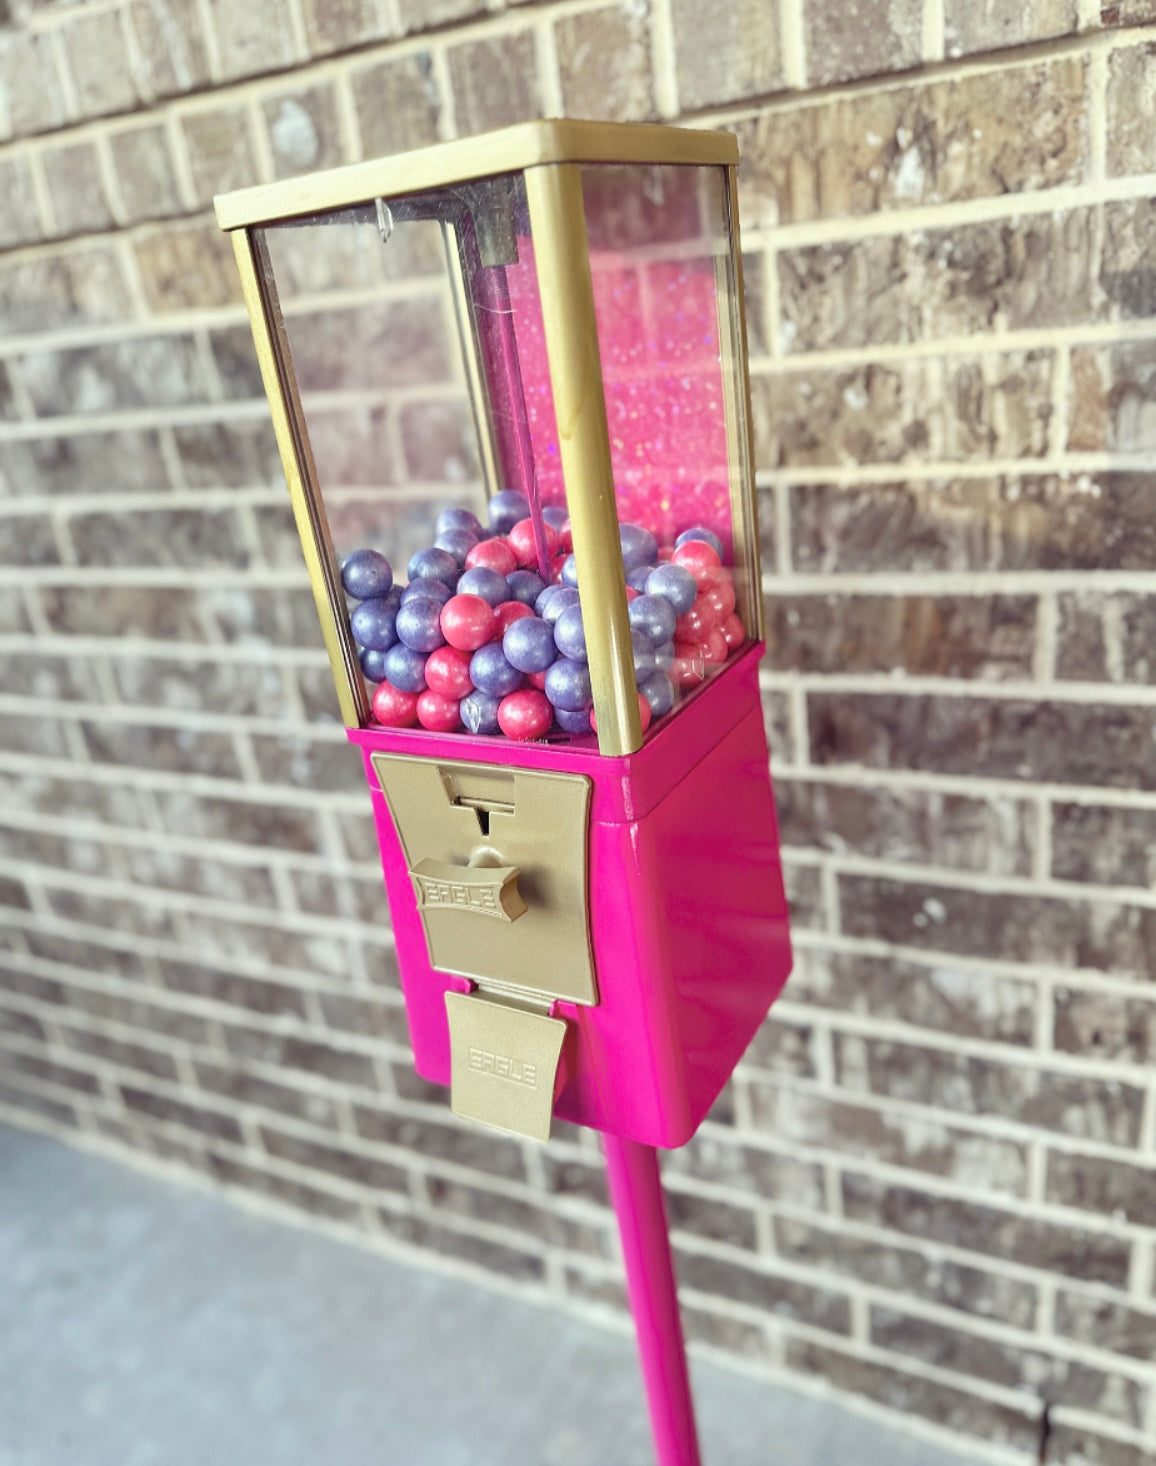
(555, 516)
(426, 589)
(570, 571)
(481, 581)
(419, 624)
(372, 664)
(658, 690)
(529, 644)
(433, 565)
(456, 542)
(405, 669)
(366, 575)
(570, 634)
(554, 600)
(458, 518)
(491, 672)
(568, 686)
(374, 624)
(576, 723)
(674, 583)
(479, 713)
(643, 647)
(655, 615)
(639, 547)
(524, 586)
(507, 509)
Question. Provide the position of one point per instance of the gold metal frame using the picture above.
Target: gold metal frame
(280, 381)
(549, 154)
(510, 150)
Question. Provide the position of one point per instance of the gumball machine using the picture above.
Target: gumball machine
(508, 380)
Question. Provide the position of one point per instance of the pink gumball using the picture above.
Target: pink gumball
(509, 612)
(718, 591)
(632, 594)
(664, 554)
(468, 622)
(556, 569)
(525, 714)
(732, 630)
(698, 557)
(689, 666)
(715, 649)
(521, 539)
(437, 713)
(698, 623)
(537, 679)
(447, 672)
(393, 708)
(566, 539)
(493, 554)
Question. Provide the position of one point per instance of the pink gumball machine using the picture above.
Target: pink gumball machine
(508, 380)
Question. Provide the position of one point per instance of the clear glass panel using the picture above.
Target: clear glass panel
(660, 258)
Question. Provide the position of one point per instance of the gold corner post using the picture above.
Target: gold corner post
(300, 471)
(558, 228)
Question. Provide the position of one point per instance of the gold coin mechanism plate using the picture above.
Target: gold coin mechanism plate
(498, 860)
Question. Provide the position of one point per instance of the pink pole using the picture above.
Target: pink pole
(636, 1191)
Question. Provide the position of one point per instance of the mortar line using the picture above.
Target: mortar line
(794, 44)
(934, 31)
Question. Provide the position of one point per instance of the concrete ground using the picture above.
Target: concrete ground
(144, 1323)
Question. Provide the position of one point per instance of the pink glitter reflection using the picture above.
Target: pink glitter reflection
(658, 336)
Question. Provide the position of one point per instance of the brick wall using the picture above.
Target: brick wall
(932, 1183)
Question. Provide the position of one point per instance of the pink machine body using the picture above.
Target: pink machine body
(688, 914)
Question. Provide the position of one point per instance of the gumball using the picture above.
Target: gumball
(719, 592)
(664, 655)
(697, 557)
(492, 673)
(485, 583)
(536, 679)
(432, 565)
(639, 547)
(529, 645)
(643, 715)
(732, 629)
(554, 600)
(509, 612)
(631, 594)
(658, 690)
(525, 585)
(675, 584)
(575, 723)
(374, 625)
(435, 590)
(437, 713)
(405, 668)
(468, 622)
(689, 666)
(521, 539)
(570, 634)
(568, 685)
(636, 579)
(643, 653)
(456, 542)
(479, 713)
(715, 649)
(557, 565)
(570, 571)
(506, 509)
(664, 554)
(525, 714)
(419, 624)
(707, 536)
(366, 575)
(493, 555)
(566, 537)
(447, 672)
(372, 664)
(394, 708)
(555, 516)
(654, 615)
(459, 519)
(698, 623)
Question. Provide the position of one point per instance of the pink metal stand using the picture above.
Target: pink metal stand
(636, 1191)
